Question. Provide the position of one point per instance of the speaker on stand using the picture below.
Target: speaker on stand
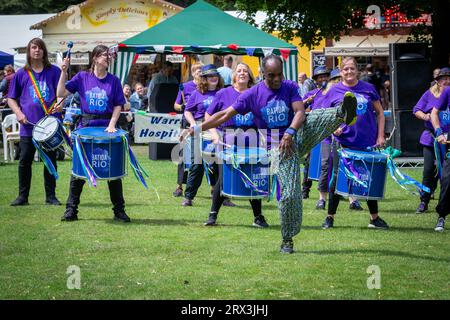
(410, 78)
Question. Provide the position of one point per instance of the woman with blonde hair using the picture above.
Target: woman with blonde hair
(422, 110)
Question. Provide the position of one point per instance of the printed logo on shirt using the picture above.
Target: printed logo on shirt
(207, 102)
(243, 120)
(44, 90)
(97, 100)
(444, 118)
(275, 114)
(362, 104)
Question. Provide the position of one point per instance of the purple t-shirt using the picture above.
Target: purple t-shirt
(21, 89)
(443, 104)
(188, 88)
(272, 109)
(426, 104)
(364, 132)
(97, 96)
(224, 99)
(198, 103)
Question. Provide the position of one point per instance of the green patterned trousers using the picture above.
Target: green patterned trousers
(319, 124)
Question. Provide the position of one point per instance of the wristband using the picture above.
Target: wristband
(291, 131)
(438, 132)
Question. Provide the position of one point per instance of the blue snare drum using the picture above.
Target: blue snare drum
(315, 163)
(254, 163)
(49, 133)
(105, 153)
(368, 167)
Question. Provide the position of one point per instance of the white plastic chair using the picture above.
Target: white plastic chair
(10, 130)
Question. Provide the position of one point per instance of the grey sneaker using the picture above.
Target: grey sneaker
(260, 222)
(321, 204)
(378, 223)
(211, 219)
(422, 208)
(440, 224)
(287, 246)
(187, 203)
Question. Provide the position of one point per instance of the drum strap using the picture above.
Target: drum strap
(39, 94)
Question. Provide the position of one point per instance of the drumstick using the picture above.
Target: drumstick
(34, 124)
(57, 105)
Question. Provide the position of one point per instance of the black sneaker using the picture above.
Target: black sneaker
(20, 202)
(287, 246)
(329, 223)
(422, 208)
(178, 192)
(122, 216)
(349, 105)
(69, 215)
(440, 225)
(378, 223)
(320, 205)
(260, 222)
(53, 201)
(211, 219)
(305, 194)
(355, 205)
(187, 203)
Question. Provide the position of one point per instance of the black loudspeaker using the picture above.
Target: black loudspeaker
(407, 134)
(162, 99)
(410, 73)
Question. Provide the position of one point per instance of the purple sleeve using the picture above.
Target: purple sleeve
(119, 98)
(308, 94)
(73, 84)
(422, 103)
(179, 100)
(443, 101)
(15, 89)
(190, 104)
(374, 95)
(243, 103)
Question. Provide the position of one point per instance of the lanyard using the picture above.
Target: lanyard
(39, 94)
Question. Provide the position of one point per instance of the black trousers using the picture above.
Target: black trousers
(27, 151)
(115, 194)
(325, 152)
(306, 183)
(218, 198)
(181, 174)
(443, 207)
(333, 197)
(430, 177)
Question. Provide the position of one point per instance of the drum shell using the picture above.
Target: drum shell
(376, 180)
(55, 140)
(106, 155)
(256, 169)
(315, 163)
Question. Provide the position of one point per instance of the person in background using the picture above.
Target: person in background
(305, 84)
(138, 100)
(32, 90)
(422, 110)
(385, 95)
(226, 70)
(163, 76)
(184, 93)
(371, 77)
(127, 92)
(435, 74)
(4, 84)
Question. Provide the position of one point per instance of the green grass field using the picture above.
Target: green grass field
(167, 253)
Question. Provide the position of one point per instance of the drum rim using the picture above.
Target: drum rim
(99, 178)
(59, 127)
(243, 197)
(88, 138)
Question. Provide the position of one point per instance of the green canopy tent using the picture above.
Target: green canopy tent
(203, 29)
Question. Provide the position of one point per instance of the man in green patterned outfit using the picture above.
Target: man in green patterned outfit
(278, 108)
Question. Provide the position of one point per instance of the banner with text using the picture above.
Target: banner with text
(157, 127)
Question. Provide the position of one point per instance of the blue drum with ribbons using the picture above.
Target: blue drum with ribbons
(315, 163)
(103, 152)
(361, 174)
(49, 133)
(246, 173)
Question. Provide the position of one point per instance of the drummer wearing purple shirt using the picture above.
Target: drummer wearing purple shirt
(242, 80)
(101, 99)
(184, 93)
(367, 132)
(278, 108)
(440, 116)
(422, 111)
(24, 101)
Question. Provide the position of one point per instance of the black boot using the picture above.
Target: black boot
(76, 187)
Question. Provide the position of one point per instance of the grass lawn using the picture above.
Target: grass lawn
(167, 253)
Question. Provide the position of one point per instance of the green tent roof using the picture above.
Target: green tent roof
(203, 29)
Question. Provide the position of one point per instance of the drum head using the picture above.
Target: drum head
(45, 128)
